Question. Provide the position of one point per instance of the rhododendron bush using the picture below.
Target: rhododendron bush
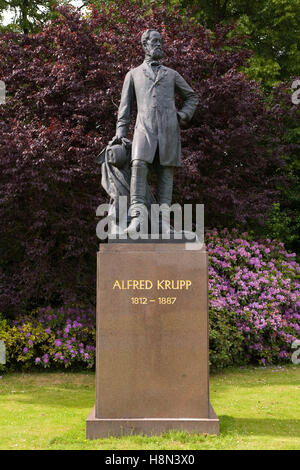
(55, 338)
(63, 90)
(254, 299)
(254, 292)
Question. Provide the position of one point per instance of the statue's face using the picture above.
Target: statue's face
(153, 46)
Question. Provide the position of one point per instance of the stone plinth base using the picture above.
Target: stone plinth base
(152, 370)
(97, 428)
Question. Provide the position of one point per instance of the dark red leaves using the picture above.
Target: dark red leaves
(63, 87)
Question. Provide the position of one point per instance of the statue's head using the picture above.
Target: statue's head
(152, 44)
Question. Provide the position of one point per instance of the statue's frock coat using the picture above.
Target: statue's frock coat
(157, 119)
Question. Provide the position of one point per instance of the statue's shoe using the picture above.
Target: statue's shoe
(134, 227)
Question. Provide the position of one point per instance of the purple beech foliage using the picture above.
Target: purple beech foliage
(63, 90)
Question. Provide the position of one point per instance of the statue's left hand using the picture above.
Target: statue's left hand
(181, 119)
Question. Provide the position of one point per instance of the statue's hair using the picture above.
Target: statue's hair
(146, 35)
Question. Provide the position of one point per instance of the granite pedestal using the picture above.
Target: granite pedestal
(152, 371)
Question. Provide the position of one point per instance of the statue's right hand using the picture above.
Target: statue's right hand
(115, 140)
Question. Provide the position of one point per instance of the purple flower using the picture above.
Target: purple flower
(45, 358)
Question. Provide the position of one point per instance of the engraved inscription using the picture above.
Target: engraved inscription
(147, 284)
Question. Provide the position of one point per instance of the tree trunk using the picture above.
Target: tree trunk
(24, 16)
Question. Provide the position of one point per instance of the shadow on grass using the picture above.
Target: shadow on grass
(263, 426)
(74, 400)
(256, 376)
(229, 427)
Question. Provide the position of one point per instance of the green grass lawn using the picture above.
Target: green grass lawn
(259, 408)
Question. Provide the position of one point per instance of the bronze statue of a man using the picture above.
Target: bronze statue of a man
(156, 140)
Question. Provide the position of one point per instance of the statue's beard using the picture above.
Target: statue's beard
(156, 53)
